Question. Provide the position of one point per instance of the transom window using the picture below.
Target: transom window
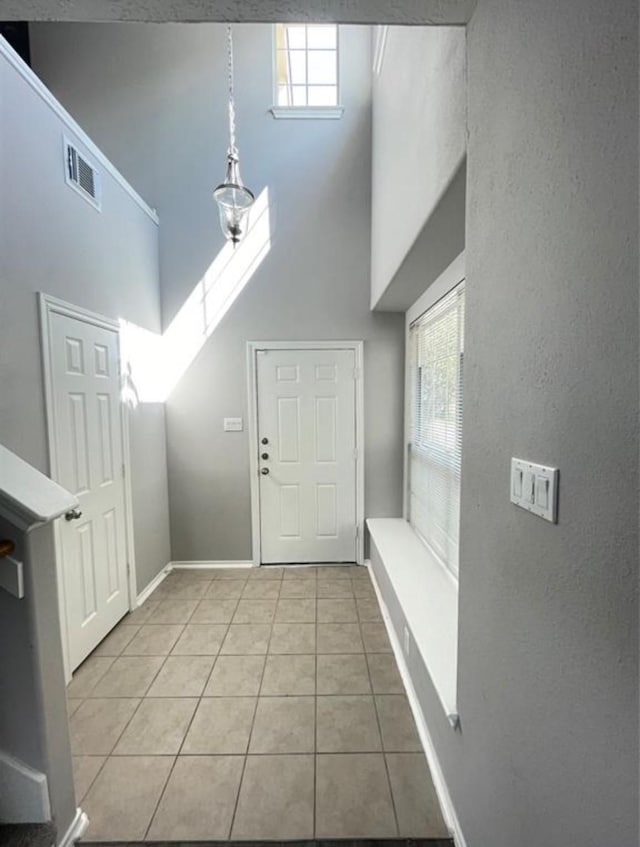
(436, 362)
(306, 66)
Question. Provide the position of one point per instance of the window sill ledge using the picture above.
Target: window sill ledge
(307, 112)
(428, 597)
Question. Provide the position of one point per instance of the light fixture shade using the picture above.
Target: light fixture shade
(234, 201)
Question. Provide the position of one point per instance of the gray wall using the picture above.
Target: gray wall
(154, 97)
(421, 87)
(52, 241)
(548, 632)
(547, 754)
(436, 12)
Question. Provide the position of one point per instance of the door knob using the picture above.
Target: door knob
(73, 515)
(265, 441)
(264, 456)
(264, 471)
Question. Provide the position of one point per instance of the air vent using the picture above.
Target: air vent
(81, 175)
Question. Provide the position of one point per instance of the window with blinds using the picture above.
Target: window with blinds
(436, 363)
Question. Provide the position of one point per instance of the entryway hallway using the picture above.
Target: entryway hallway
(253, 704)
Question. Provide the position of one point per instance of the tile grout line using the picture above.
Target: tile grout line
(199, 699)
(253, 721)
(175, 757)
(382, 747)
(93, 781)
(217, 656)
(144, 697)
(184, 737)
(110, 755)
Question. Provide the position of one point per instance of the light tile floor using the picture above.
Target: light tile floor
(250, 704)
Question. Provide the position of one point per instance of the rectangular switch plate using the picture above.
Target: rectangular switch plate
(232, 424)
(535, 488)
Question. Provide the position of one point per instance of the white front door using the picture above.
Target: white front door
(85, 387)
(307, 455)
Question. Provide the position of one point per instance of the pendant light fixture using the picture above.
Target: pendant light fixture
(233, 199)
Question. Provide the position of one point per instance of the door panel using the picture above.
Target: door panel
(306, 411)
(89, 459)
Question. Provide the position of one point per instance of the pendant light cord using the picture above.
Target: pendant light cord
(232, 109)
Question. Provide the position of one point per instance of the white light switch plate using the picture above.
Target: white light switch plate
(535, 488)
(232, 424)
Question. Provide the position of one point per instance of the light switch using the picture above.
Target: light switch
(232, 424)
(542, 492)
(516, 484)
(528, 487)
(535, 488)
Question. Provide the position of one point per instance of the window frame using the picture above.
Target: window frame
(306, 112)
(450, 279)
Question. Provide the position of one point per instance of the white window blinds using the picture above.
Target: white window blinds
(436, 362)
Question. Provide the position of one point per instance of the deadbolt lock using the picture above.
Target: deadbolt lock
(264, 471)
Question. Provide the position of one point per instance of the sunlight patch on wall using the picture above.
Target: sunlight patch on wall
(153, 363)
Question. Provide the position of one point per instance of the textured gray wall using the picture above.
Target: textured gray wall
(52, 241)
(548, 651)
(548, 614)
(154, 98)
(437, 12)
(415, 160)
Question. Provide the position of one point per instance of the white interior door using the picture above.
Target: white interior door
(85, 385)
(307, 455)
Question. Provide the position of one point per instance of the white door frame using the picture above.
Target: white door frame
(49, 306)
(252, 384)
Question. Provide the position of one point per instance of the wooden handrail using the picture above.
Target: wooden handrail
(6, 548)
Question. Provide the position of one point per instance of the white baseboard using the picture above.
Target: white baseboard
(177, 566)
(206, 565)
(155, 582)
(24, 793)
(76, 829)
(442, 790)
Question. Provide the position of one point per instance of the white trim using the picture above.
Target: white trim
(151, 587)
(47, 97)
(448, 279)
(305, 112)
(252, 415)
(76, 829)
(197, 564)
(454, 274)
(439, 782)
(132, 576)
(252, 387)
(427, 593)
(331, 113)
(203, 564)
(47, 306)
(379, 47)
(24, 792)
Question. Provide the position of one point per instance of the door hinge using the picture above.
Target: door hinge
(124, 469)
(357, 531)
(355, 454)
(356, 373)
